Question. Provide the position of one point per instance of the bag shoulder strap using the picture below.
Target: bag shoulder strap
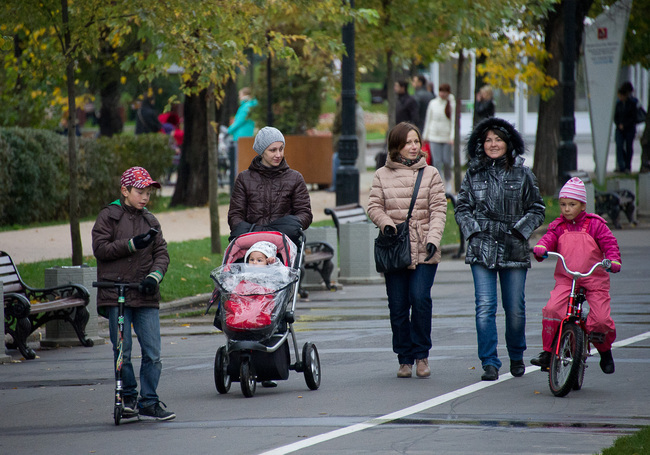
(416, 189)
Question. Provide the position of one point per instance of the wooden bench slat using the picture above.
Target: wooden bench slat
(317, 257)
(56, 305)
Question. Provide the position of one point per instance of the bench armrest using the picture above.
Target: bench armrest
(58, 292)
(16, 305)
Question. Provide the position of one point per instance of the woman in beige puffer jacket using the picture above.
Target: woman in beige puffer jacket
(409, 290)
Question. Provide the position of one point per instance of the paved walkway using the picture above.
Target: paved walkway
(54, 242)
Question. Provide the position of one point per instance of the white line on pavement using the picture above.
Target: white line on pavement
(416, 408)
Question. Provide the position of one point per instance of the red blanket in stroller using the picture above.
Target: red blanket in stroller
(249, 307)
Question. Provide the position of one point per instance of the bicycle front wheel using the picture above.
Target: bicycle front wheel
(566, 365)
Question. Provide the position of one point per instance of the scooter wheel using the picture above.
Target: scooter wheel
(117, 414)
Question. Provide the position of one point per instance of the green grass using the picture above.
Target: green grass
(635, 444)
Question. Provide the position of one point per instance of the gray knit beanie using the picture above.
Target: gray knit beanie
(265, 137)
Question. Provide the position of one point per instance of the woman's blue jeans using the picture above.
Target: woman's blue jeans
(410, 306)
(146, 324)
(512, 283)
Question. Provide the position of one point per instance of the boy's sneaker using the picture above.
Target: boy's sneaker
(130, 407)
(607, 362)
(156, 412)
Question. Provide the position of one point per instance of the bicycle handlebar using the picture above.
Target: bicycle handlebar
(605, 263)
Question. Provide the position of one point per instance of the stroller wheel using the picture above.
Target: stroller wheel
(247, 378)
(311, 365)
(222, 379)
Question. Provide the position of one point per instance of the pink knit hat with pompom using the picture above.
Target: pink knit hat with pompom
(574, 189)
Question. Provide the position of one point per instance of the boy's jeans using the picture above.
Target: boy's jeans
(512, 283)
(146, 324)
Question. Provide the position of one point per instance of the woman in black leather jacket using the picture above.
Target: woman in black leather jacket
(498, 208)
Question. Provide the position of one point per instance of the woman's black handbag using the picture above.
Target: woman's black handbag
(393, 252)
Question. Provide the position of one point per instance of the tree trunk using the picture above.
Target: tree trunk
(192, 186)
(547, 139)
(110, 114)
(73, 186)
(390, 91)
(459, 82)
(213, 158)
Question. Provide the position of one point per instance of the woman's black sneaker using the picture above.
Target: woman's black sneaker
(517, 368)
(543, 360)
(156, 412)
(491, 373)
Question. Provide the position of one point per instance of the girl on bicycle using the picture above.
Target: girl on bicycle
(583, 239)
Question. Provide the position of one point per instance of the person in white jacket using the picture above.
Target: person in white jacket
(439, 131)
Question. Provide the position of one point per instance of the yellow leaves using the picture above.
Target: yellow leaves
(123, 80)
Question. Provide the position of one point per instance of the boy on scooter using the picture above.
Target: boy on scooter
(130, 248)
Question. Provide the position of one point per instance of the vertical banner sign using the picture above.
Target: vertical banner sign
(602, 49)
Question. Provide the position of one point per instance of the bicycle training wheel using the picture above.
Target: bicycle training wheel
(566, 365)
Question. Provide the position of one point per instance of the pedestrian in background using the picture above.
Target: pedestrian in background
(242, 125)
(146, 120)
(406, 108)
(409, 290)
(625, 120)
(422, 97)
(439, 131)
(484, 106)
(498, 208)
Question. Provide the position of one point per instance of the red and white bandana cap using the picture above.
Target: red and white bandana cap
(138, 177)
(574, 189)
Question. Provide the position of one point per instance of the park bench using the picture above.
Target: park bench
(348, 213)
(26, 308)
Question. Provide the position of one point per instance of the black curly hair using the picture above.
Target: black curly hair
(502, 128)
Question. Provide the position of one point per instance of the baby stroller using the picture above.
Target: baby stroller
(256, 313)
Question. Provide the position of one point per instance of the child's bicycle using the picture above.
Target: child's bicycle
(118, 409)
(568, 360)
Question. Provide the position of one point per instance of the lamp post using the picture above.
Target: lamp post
(567, 153)
(347, 174)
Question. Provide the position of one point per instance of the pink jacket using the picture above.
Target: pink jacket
(390, 197)
(597, 229)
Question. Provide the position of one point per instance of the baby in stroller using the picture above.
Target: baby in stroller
(257, 300)
(251, 302)
(248, 292)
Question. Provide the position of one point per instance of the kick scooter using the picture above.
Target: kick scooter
(118, 409)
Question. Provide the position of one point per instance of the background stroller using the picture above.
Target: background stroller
(256, 313)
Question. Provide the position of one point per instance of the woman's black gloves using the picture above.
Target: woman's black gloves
(389, 230)
(431, 249)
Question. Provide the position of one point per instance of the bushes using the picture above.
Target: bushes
(34, 171)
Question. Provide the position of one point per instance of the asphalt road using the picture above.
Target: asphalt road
(61, 402)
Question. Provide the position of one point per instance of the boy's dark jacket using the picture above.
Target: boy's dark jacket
(116, 224)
